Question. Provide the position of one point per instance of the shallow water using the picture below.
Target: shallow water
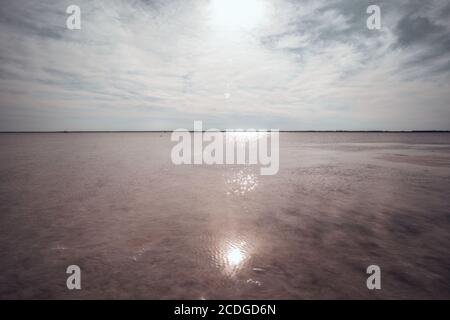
(140, 227)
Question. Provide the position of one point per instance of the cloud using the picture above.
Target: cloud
(153, 65)
(431, 41)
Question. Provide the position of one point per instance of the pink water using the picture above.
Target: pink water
(140, 227)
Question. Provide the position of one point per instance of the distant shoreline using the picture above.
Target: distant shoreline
(281, 131)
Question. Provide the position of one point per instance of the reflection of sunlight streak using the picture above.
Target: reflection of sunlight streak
(241, 182)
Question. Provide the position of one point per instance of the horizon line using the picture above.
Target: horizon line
(235, 130)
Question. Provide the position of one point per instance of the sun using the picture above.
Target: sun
(237, 14)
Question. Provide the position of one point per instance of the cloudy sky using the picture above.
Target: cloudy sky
(154, 65)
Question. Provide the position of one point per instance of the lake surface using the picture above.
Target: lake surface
(141, 227)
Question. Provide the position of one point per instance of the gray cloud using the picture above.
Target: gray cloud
(430, 38)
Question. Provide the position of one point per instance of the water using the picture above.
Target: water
(140, 227)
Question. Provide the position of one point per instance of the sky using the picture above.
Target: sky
(260, 64)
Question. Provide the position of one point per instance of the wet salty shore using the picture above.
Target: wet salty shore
(140, 227)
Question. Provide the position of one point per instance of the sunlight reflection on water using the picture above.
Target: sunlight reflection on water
(231, 256)
(240, 182)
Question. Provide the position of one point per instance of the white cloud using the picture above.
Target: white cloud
(159, 65)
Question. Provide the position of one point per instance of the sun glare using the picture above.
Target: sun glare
(235, 256)
(237, 14)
